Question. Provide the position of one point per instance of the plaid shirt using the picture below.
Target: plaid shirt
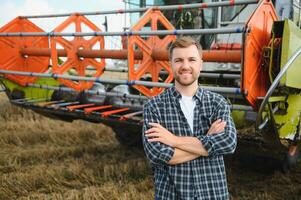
(204, 177)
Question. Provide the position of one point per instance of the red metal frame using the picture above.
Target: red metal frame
(255, 80)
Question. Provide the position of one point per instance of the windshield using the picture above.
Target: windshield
(230, 12)
(184, 19)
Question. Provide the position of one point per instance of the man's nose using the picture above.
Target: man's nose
(185, 63)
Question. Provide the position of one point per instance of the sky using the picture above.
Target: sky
(10, 9)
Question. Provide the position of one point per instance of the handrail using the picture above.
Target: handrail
(273, 87)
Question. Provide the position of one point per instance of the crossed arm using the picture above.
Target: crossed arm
(185, 148)
(163, 147)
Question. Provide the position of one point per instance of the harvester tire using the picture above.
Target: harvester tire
(290, 161)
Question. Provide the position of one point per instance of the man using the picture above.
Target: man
(186, 132)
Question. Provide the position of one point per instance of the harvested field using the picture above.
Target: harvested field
(42, 158)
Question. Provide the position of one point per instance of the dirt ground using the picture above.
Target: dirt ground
(41, 158)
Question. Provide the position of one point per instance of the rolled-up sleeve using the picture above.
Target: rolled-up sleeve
(157, 153)
(226, 141)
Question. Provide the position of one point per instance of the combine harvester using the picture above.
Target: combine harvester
(64, 75)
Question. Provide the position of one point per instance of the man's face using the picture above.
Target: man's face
(186, 65)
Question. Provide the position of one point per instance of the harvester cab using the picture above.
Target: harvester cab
(250, 57)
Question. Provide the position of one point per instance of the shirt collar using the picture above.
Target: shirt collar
(176, 94)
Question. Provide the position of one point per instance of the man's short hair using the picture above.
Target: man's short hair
(184, 42)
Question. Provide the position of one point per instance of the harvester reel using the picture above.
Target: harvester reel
(73, 62)
(149, 66)
(12, 59)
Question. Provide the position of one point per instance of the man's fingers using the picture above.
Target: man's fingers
(216, 122)
(217, 128)
(154, 140)
(155, 124)
(151, 130)
(155, 134)
(220, 125)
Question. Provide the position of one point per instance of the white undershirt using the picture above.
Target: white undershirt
(187, 106)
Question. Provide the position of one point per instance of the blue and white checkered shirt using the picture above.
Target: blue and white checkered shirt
(204, 177)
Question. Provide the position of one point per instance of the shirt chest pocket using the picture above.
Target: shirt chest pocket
(173, 121)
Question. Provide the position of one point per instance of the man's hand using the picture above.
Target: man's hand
(217, 127)
(160, 134)
(186, 147)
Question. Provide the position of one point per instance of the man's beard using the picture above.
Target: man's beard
(178, 79)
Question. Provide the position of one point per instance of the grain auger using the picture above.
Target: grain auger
(65, 74)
